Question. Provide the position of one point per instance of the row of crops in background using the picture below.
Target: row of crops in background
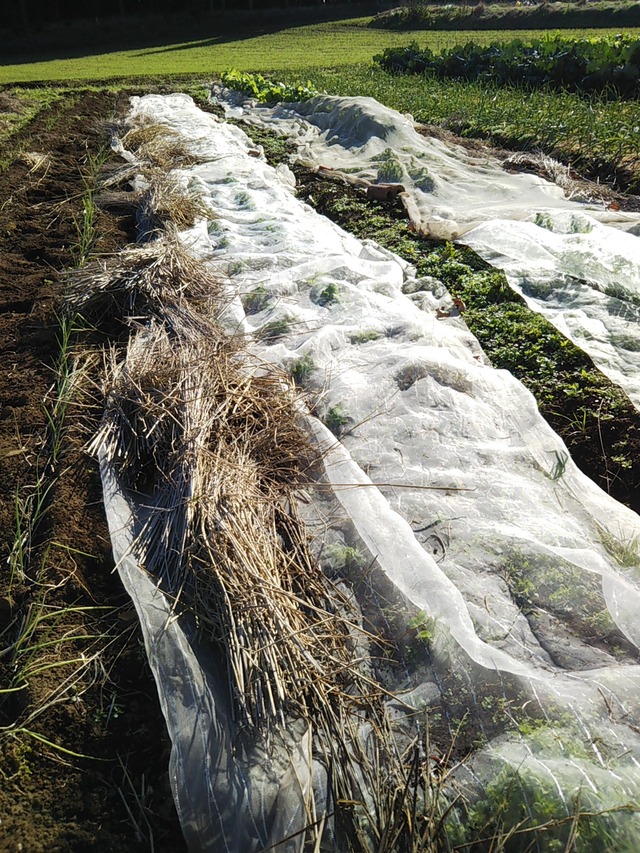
(606, 65)
(527, 15)
(265, 90)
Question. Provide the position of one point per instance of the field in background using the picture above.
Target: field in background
(48, 221)
(511, 16)
(326, 45)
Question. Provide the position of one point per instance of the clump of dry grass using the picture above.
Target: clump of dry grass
(216, 452)
(167, 203)
(558, 173)
(160, 200)
(158, 145)
(152, 152)
(159, 279)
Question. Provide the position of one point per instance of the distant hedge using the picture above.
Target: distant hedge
(587, 65)
(519, 16)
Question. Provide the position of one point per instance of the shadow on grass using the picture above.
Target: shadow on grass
(155, 34)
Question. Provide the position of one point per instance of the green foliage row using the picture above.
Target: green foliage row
(506, 16)
(589, 65)
(264, 90)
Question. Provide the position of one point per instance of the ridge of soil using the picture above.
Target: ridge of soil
(118, 799)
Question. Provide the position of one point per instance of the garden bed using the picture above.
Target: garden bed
(59, 599)
(84, 750)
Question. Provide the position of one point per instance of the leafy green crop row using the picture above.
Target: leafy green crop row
(588, 65)
(599, 137)
(264, 90)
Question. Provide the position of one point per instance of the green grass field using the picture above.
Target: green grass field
(325, 45)
(600, 138)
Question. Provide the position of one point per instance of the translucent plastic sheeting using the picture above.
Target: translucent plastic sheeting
(212, 785)
(454, 189)
(583, 276)
(451, 502)
(570, 258)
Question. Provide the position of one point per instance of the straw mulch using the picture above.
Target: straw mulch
(215, 451)
(159, 146)
(206, 442)
(158, 280)
(162, 200)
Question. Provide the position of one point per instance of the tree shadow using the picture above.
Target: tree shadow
(165, 34)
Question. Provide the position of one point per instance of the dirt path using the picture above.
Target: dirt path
(70, 650)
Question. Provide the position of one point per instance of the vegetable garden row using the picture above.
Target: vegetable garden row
(610, 65)
(478, 691)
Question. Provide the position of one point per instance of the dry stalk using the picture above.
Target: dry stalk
(166, 204)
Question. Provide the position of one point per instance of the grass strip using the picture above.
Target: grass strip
(325, 45)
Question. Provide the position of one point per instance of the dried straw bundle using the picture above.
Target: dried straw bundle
(158, 146)
(216, 452)
(167, 204)
(152, 151)
(159, 279)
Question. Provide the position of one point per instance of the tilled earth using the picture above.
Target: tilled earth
(72, 664)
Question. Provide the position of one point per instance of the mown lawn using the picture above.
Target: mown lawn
(327, 45)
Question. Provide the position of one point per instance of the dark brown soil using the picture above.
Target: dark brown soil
(106, 708)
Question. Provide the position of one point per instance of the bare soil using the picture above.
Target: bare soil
(104, 706)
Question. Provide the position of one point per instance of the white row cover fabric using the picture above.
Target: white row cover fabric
(583, 276)
(575, 261)
(449, 494)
